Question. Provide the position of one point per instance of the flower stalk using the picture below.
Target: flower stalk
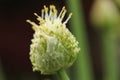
(109, 52)
(63, 75)
(83, 67)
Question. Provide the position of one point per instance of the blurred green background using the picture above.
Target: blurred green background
(16, 35)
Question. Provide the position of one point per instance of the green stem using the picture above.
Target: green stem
(63, 75)
(2, 77)
(109, 53)
(83, 67)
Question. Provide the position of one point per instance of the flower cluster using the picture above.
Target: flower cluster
(53, 46)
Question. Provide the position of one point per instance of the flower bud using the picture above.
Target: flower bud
(53, 46)
(104, 12)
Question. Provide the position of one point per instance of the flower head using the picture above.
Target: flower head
(53, 46)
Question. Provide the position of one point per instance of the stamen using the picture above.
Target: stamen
(50, 13)
(55, 13)
(52, 7)
(33, 23)
(46, 12)
(49, 16)
(42, 11)
(38, 17)
(68, 18)
(61, 12)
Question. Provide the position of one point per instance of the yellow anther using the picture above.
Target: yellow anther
(45, 8)
(52, 6)
(63, 8)
(36, 14)
(68, 18)
(32, 23)
(63, 14)
(70, 14)
(28, 21)
(64, 11)
(38, 17)
(55, 11)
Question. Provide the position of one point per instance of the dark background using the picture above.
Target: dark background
(15, 36)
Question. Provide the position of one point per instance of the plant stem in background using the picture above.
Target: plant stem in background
(83, 67)
(1, 72)
(63, 75)
(105, 18)
(109, 55)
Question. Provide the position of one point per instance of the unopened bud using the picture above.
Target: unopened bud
(104, 12)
